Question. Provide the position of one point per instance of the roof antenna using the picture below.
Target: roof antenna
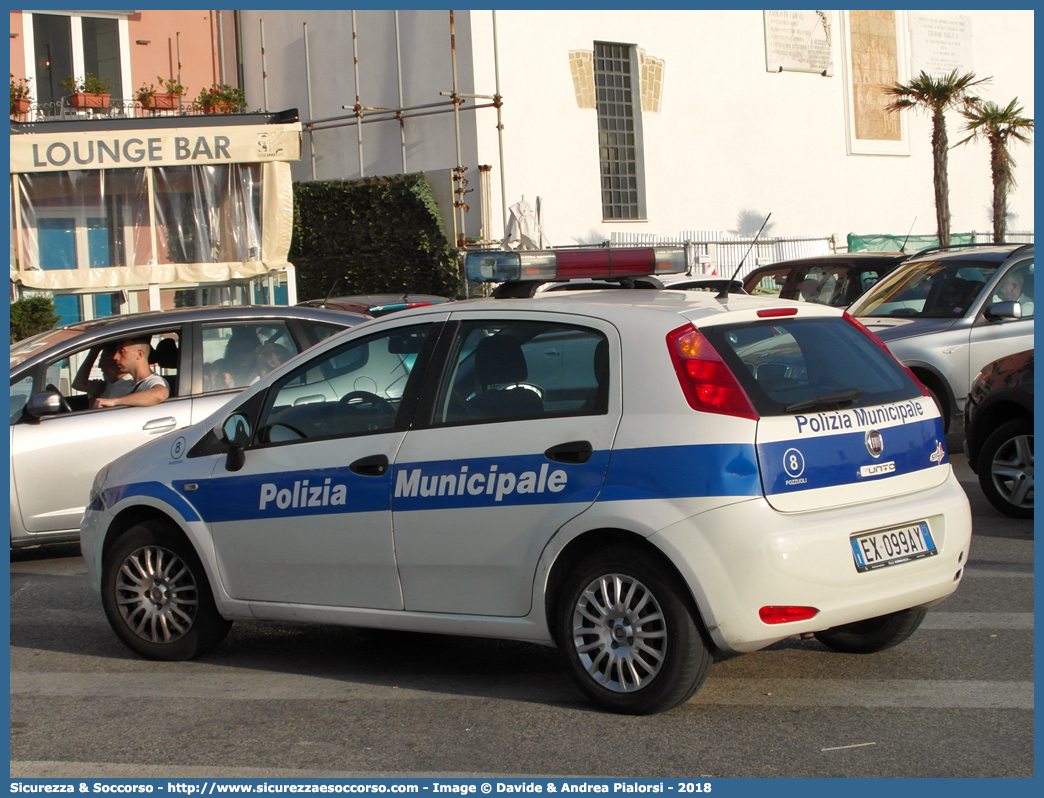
(724, 293)
(903, 247)
(330, 292)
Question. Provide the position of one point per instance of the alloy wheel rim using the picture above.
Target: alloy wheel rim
(619, 633)
(157, 595)
(1012, 471)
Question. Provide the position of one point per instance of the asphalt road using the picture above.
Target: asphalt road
(956, 700)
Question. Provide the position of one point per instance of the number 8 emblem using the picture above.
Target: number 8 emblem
(793, 463)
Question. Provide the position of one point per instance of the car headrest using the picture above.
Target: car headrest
(166, 354)
(499, 360)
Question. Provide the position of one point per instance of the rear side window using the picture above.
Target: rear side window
(804, 365)
(501, 371)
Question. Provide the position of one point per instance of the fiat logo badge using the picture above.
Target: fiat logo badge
(874, 443)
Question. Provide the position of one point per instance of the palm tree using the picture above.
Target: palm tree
(987, 120)
(936, 96)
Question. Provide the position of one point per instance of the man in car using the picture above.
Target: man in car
(114, 384)
(132, 357)
(1010, 290)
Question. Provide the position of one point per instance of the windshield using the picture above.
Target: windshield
(942, 289)
(26, 348)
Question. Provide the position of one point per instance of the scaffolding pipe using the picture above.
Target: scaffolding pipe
(370, 119)
(221, 49)
(308, 92)
(358, 104)
(458, 188)
(398, 73)
(498, 101)
(353, 116)
(264, 69)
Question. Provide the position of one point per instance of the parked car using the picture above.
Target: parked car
(998, 433)
(827, 279)
(946, 313)
(702, 282)
(640, 477)
(375, 305)
(205, 354)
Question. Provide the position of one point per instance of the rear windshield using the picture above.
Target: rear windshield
(808, 365)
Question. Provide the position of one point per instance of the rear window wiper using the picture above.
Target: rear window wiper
(836, 399)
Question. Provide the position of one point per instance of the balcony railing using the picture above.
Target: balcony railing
(61, 110)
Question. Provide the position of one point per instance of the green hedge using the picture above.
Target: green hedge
(380, 235)
(31, 315)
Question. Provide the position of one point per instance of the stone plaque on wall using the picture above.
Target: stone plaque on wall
(799, 41)
(940, 43)
(875, 65)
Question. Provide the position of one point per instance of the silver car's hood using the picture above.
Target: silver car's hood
(889, 328)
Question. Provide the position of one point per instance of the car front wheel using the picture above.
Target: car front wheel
(156, 595)
(1005, 468)
(874, 634)
(629, 634)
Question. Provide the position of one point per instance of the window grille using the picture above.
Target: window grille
(618, 133)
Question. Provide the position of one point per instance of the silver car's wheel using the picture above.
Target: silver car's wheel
(627, 628)
(157, 595)
(619, 633)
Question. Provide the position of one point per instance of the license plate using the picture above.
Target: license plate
(893, 547)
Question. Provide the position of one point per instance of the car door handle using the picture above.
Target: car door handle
(160, 423)
(574, 452)
(373, 466)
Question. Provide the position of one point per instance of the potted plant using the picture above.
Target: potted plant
(91, 92)
(21, 96)
(168, 99)
(223, 99)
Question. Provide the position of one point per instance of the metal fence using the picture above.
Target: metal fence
(712, 252)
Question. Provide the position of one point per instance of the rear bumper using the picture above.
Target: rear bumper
(745, 556)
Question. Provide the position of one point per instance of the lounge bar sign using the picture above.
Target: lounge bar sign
(129, 149)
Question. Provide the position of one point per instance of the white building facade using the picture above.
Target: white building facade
(632, 123)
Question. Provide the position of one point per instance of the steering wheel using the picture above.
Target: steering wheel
(525, 386)
(364, 402)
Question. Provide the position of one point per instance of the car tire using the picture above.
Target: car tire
(944, 414)
(1005, 468)
(874, 634)
(156, 595)
(629, 634)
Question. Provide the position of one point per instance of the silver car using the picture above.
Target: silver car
(206, 355)
(946, 313)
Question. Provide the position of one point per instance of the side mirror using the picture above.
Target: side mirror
(46, 403)
(999, 311)
(235, 432)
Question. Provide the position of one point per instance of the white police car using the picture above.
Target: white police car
(640, 477)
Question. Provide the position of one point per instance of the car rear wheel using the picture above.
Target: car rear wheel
(1005, 468)
(629, 634)
(156, 595)
(874, 634)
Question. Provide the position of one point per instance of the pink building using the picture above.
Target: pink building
(121, 206)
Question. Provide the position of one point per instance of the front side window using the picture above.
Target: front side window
(502, 371)
(354, 389)
(619, 132)
(1017, 286)
(89, 373)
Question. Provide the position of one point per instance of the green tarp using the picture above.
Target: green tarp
(890, 243)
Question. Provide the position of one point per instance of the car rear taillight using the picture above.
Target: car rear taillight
(786, 614)
(706, 380)
(863, 328)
